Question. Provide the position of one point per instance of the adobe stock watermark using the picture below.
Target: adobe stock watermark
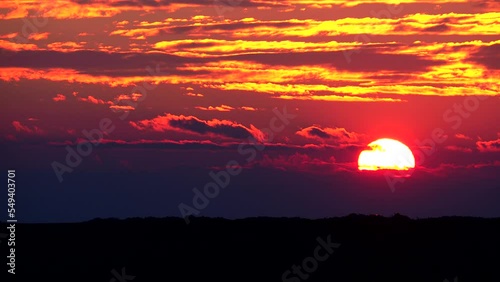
(309, 265)
(29, 27)
(388, 13)
(454, 116)
(221, 179)
(93, 137)
(121, 277)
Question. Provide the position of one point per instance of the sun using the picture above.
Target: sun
(385, 154)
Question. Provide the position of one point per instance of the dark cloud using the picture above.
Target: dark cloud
(202, 127)
(232, 26)
(363, 60)
(314, 131)
(134, 64)
(197, 145)
(484, 4)
(437, 28)
(489, 56)
(390, 77)
(455, 19)
(96, 63)
(156, 144)
(337, 135)
(166, 3)
(191, 124)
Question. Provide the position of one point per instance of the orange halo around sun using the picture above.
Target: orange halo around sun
(388, 154)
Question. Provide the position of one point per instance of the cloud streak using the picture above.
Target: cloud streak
(194, 125)
(489, 146)
(337, 135)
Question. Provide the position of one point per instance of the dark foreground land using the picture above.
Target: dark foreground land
(372, 248)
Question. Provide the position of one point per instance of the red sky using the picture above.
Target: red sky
(184, 82)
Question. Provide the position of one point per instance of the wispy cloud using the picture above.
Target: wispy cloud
(489, 146)
(19, 127)
(59, 98)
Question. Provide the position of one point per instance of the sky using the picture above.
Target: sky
(244, 108)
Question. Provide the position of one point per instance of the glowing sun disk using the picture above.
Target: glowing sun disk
(386, 153)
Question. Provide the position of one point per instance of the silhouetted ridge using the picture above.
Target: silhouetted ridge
(371, 248)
